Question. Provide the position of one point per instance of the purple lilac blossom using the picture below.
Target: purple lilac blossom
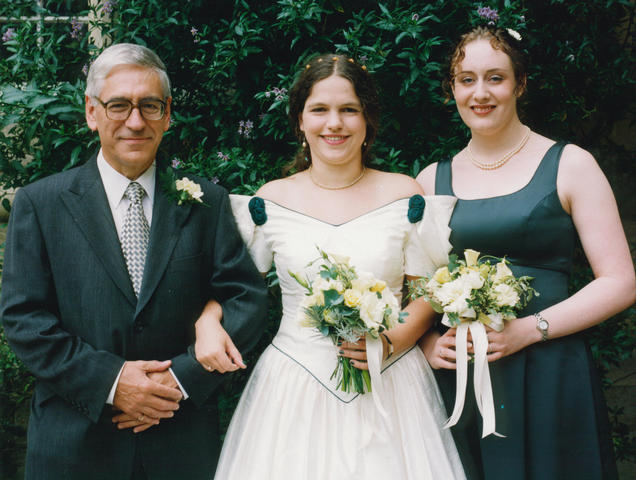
(108, 6)
(76, 28)
(8, 35)
(176, 163)
(489, 14)
(222, 156)
(415, 17)
(245, 128)
(215, 180)
(85, 69)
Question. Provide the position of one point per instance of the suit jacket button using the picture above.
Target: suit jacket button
(139, 327)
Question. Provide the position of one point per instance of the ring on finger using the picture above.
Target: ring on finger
(208, 368)
(141, 418)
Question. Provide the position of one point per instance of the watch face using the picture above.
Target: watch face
(542, 324)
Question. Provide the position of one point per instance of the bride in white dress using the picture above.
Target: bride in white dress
(292, 422)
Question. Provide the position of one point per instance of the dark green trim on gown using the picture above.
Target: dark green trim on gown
(548, 399)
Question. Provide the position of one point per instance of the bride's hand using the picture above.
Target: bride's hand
(213, 347)
(357, 352)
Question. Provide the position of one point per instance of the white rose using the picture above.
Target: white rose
(371, 310)
(193, 189)
(352, 297)
(471, 279)
(364, 282)
(505, 295)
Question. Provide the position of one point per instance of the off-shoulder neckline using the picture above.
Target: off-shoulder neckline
(362, 215)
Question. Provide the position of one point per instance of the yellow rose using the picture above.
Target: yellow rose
(352, 297)
(442, 275)
(471, 257)
(379, 286)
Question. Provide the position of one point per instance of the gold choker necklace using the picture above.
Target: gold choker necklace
(501, 161)
(339, 187)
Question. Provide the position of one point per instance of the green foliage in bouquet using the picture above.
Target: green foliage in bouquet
(345, 305)
(481, 289)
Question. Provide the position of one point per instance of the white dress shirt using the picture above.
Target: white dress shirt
(115, 185)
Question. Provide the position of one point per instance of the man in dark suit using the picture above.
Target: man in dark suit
(104, 277)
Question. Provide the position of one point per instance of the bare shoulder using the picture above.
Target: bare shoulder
(426, 179)
(396, 185)
(280, 190)
(578, 169)
(576, 159)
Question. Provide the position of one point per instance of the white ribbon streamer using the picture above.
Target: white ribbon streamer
(374, 360)
(481, 380)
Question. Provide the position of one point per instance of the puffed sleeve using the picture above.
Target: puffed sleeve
(251, 217)
(428, 244)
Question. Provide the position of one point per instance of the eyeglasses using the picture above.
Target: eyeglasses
(120, 108)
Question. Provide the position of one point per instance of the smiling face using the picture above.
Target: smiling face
(130, 145)
(484, 88)
(333, 122)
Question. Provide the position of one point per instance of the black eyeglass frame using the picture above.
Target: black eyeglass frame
(132, 106)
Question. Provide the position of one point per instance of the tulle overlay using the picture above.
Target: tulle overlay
(292, 422)
(309, 434)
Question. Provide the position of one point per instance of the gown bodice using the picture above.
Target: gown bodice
(406, 236)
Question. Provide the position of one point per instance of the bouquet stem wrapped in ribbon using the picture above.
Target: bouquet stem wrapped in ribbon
(344, 304)
(474, 293)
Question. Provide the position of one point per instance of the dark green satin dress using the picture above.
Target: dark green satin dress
(548, 400)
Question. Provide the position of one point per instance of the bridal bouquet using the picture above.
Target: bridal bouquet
(473, 293)
(344, 304)
(475, 289)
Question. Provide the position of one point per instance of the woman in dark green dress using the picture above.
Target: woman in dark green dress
(526, 197)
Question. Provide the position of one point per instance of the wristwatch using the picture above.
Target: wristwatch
(542, 326)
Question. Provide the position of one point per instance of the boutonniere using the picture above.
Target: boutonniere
(181, 190)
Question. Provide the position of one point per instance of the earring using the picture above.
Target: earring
(304, 144)
(364, 144)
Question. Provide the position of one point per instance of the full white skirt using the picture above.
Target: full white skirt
(289, 426)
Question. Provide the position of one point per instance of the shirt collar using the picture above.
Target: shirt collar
(115, 183)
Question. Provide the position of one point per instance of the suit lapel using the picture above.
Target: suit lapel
(167, 220)
(87, 203)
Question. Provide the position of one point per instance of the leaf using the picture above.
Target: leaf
(332, 297)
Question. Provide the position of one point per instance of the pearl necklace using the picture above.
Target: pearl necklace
(501, 161)
(339, 187)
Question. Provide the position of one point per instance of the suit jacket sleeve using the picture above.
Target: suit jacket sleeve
(236, 284)
(67, 365)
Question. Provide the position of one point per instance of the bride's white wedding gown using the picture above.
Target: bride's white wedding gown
(291, 421)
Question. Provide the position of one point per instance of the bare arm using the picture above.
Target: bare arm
(586, 194)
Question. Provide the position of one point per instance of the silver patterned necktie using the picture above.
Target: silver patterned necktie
(135, 234)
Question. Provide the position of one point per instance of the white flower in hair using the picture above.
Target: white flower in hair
(514, 34)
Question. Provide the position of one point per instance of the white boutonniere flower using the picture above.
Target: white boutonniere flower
(188, 191)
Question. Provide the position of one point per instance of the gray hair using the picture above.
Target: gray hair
(124, 54)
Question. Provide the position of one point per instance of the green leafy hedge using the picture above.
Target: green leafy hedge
(232, 62)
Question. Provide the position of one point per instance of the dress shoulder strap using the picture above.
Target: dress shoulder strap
(546, 174)
(443, 177)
